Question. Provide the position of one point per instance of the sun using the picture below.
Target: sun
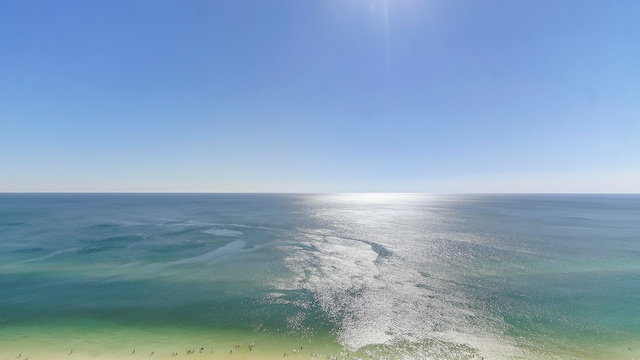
(385, 12)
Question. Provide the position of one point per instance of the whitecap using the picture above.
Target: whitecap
(49, 256)
(222, 232)
(212, 256)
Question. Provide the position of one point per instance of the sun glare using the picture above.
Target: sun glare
(381, 9)
(383, 14)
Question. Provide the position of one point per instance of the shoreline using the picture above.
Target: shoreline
(126, 343)
(110, 342)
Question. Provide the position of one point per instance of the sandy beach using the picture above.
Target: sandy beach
(120, 345)
(112, 342)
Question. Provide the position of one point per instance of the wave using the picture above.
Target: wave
(218, 254)
(222, 232)
(49, 256)
(374, 302)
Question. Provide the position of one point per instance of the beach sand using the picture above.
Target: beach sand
(136, 344)
(117, 342)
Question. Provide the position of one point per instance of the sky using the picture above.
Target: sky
(320, 96)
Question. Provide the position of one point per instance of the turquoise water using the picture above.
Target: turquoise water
(410, 276)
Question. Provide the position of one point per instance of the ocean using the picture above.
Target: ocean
(266, 276)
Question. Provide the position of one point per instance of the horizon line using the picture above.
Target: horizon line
(314, 193)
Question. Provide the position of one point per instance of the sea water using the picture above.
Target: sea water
(256, 276)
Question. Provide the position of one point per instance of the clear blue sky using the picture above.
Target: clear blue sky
(320, 96)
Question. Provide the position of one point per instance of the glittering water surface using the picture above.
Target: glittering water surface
(386, 275)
